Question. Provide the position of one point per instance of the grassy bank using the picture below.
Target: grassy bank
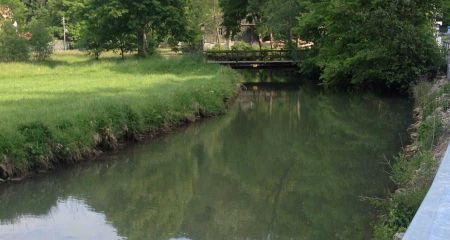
(416, 166)
(69, 108)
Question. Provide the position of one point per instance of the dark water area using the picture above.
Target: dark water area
(283, 163)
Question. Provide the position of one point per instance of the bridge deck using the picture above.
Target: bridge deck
(258, 64)
(254, 58)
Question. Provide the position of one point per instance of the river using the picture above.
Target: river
(286, 162)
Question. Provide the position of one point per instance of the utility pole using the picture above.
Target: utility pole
(216, 24)
(64, 30)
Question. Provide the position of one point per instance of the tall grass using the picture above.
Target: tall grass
(416, 166)
(63, 109)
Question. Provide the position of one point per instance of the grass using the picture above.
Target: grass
(415, 169)
(61, 110)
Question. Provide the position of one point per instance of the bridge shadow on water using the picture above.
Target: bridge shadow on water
(275, 79)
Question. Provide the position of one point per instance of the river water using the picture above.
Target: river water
(290, 162)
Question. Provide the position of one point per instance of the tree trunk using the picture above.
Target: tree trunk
(260, 42)
(228, 44)
(271, 41)
(218, 37)
(142, 43)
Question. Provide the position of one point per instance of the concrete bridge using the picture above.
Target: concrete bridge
(255, 58)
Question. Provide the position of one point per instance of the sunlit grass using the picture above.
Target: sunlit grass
(75, 97)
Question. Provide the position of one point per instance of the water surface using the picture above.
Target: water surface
(282, 164)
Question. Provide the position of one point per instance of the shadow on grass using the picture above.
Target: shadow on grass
(184, 66)
(188, 65)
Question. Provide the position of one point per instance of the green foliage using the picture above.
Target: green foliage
(38, 140)
(241, 46)
(413, 175)
(70, 105)
(429, 131)
(378, 43)
(18, 9)
(402, 171)
(160, 20)
(126, 25)
(234, 11)
(280, 17)
(309, 174)
(35, 8)
(73, 12)
(200, 14)
(12, 46)
(274, 18)
(40, 41)
(446, 13)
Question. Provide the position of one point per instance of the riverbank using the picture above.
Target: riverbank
(416, 165)
(72, 108)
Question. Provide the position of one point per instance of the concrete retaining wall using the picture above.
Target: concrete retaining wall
(432, 221)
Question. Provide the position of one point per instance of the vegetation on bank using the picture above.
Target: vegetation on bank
(364, 44)
(416, 166)
(35, 41)
(66, 109)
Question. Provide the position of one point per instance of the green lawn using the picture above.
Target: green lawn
(62, 109)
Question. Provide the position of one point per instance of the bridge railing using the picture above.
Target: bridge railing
(446, 44)
(251, 55)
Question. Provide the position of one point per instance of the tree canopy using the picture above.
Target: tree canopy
(378, 43)
(356, 42)
(361, 43)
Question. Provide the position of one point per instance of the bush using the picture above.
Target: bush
(40, 41)
(373, 44)
(242, 46)
(217, 47)
(12, 47)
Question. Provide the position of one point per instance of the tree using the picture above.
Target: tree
(71, 10)
(446, 12)
(17, 7)
(114, 23)
(35, 8)
(202, 17)
(99, 26)
(281, 17)
(271, 17)
(372, 43)
(41, 40)
(234, 11)
(155, 19)
(12, 46)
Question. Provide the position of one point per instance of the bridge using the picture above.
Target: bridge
(255, 58)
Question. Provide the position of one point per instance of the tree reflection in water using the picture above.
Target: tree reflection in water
(280, 165)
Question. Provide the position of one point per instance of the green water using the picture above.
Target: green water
(282, 164)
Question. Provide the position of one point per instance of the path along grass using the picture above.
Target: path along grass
(63, 110)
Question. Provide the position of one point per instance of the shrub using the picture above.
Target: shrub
(242, 46)
(40, 41)
(429, 131)
(12, 46)
(38, 142)
(217, 47)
